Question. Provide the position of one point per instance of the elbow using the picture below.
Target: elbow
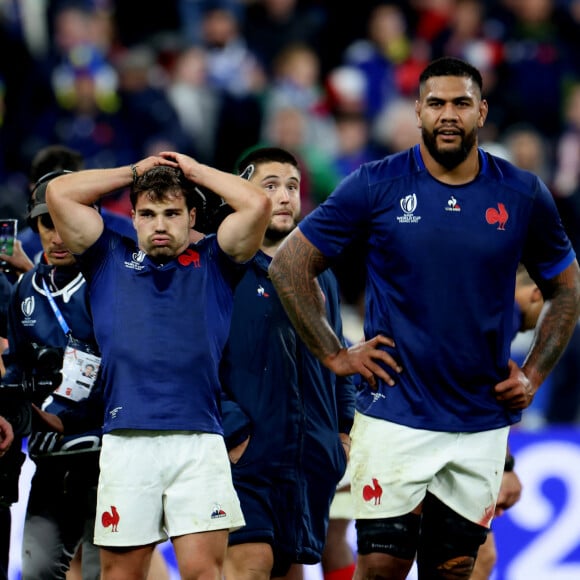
(264, 209)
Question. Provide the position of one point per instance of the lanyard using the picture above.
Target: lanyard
(55, 309)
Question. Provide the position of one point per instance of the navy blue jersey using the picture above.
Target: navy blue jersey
(32, 320)
(294, 408)
(441, 265)
(161, 331)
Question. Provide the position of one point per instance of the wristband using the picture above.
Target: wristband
(134, 171)
(510, 462)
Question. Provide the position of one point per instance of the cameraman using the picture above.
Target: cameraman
(50, 339)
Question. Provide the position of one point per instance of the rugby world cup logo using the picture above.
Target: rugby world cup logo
(409, 203)
(27, 306)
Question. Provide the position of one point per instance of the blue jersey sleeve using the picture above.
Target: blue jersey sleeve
(547, 251)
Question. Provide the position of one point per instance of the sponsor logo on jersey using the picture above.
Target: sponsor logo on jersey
(452, 204)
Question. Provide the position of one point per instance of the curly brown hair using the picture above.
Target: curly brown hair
(164, 182)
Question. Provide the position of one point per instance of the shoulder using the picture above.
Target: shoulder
(507, 174)
(391, 167)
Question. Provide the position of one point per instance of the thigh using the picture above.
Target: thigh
(470, 481)
(129, 508)
(205, 474)
(391, 466)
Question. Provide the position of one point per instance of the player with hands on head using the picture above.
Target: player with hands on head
(162, 310)
(444, 226)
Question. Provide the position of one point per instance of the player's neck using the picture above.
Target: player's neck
(463, 173)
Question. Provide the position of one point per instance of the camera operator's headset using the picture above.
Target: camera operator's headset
(41, 181)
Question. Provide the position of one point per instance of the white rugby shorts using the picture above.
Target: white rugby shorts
(393, 466)
(159, 484)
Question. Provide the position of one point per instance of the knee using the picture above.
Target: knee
(449, 543)
(396, 536)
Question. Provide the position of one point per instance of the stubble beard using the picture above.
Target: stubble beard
(275, 234)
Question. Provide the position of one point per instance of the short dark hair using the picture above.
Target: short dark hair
(163, 180)
(261, 155)
(448, 66)
(55, 158)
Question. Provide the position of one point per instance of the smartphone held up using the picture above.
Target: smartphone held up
(8, 233)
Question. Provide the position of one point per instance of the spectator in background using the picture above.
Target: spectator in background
(566, 180)
(527, 150)
(355, 143)
(270, 26)
(235, 71)
(384, 55)
(538, 63)
(152, 120)
(296, 83)
(84, 110)
(197, 102)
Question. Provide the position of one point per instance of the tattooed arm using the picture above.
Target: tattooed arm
(293, 271)
(553, 331)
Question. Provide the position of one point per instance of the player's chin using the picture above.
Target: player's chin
(161, 251)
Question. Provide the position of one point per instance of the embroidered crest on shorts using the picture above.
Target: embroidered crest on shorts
(218, 512)
(373, 492)
(111, 519)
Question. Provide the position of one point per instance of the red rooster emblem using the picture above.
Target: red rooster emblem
(497, 216)
(373, 492)
(111, 519)
(189, 257)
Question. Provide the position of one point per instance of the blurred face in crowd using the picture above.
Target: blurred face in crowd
(450, 112)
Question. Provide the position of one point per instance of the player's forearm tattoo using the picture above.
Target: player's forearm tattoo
(557, 323)
(293, 272)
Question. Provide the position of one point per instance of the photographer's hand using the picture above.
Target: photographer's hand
(6, 435)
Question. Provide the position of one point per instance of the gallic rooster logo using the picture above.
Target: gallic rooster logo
(374, 491)
(497, 216)
(111, 519)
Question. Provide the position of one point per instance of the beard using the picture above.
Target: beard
(274, 234)
(449, 158)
